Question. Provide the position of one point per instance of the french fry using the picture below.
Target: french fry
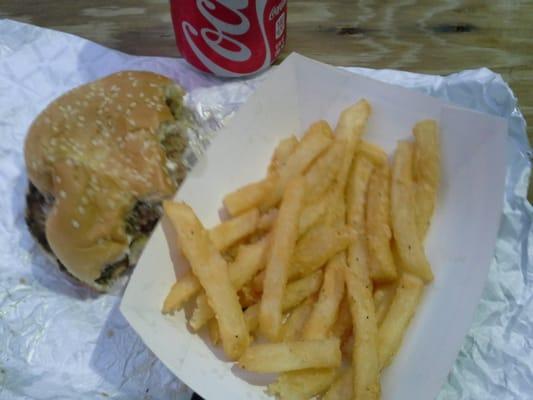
(249, 196)
(380, 260)
(350, 128)
(284, 238)
(184, 288)
(335, 214)
(214, 333)
(372, 152)
(290, 356)
(295, 293)
(202, 313)
(352, 121)
(314, 142)
(343, 323)
(397, 319)
(342, 388)
(426, 172)
(266, 221)
(298, 290)
(282, 152)
(229, 232)
(323, 171)
(250, 259)
(312, 213)
(302, 385)
(211, 270)
(406, 239)
(326, 307)
(356, 192)
(365, 357)
(383, 296)
(317, 246)
(251, 318)
(293, 326)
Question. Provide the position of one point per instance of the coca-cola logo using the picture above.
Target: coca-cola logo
(276, 10)
(222, 37)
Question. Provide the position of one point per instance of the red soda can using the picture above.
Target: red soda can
(230, 37)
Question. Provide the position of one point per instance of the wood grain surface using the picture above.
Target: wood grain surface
(434, 37)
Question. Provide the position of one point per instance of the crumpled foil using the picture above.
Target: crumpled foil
(59, 340)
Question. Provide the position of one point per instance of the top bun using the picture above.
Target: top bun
(97, 151)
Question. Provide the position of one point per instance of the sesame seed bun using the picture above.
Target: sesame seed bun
(96, 153)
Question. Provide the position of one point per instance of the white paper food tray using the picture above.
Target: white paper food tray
(459, 245)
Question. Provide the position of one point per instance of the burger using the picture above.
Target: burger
(100, 159)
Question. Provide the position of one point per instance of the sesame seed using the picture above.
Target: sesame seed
(58, 179)
(75, 224)
(63, 194)
(129, 95)
(81, 210)
(84, 200)
(70, 163)
(133, 104)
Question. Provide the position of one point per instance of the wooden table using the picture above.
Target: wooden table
(434, 37)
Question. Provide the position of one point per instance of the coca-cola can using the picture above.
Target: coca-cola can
(230, 38)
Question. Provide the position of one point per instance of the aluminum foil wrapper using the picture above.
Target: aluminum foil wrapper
(59, 340)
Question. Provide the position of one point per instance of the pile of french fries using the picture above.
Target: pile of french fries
(322, 262)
